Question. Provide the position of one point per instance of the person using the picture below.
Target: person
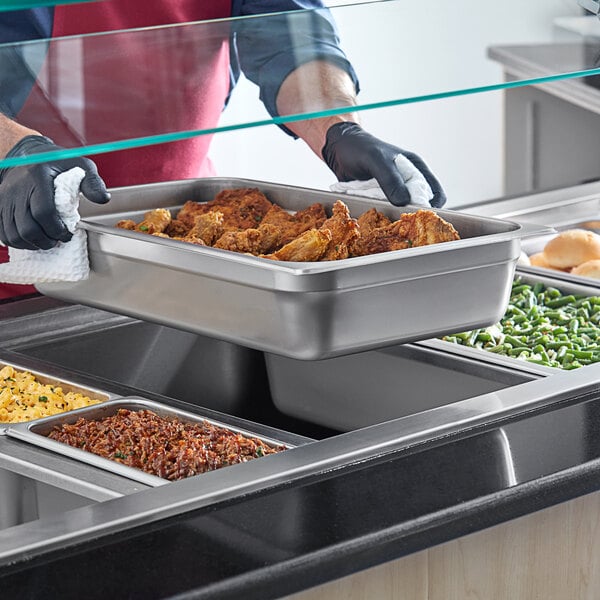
(284, 58)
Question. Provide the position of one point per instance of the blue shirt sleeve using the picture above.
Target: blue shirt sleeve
(18, 71)
(268, 50)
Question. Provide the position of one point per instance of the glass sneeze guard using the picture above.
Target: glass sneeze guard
(109, 72)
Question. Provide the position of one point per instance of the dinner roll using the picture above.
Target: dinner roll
(539, 260)
(591, 268)
(572, 247)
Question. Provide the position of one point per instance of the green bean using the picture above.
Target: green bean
(517, 289)
(519, 350)
(539, 361)
(560, 302)
(543, 326)
(555, 314)
(583, 354)
(496, 349)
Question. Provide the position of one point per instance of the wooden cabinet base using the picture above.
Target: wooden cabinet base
(551, 555)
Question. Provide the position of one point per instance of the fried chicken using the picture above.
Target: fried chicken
(127, 224)
(420, 228)
(292, 225)
(242, 208)
(245, 221)
(155, 221)
(344, 231)
(207, 227)
(372, 219)
(176, 229)
(381, 239)
(308, 247)
(257, 241)
(425, 227)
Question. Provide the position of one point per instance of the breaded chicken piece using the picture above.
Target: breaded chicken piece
(155, 221)
(207, 227)
(242, 208)
(420, 228)
(271, 238)
(425, 227)
(176, 229)
(381, 239)
(126, 224)
(291, 225)
(372, 219)
(239, 241)
(308, 247)
(344, 231)
(257, 241)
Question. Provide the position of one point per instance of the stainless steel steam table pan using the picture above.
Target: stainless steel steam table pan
(301, 310)
(36, 432)
(565, 286)
(349, 392)
(536, 244)
(65, 384)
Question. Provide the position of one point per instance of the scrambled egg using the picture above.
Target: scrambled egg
(23, 398)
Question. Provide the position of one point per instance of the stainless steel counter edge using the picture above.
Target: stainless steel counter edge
(524, 207)
(311, 459)
(70, 475)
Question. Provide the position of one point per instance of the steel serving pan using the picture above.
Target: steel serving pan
(301, 310)
(537, 244)
(350, 392)
(67, 385)
(567, 287)
(36, 432)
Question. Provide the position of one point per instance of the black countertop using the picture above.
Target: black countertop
(291, 537)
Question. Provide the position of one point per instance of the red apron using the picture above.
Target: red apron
(133, 86)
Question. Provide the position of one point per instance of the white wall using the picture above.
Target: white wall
(406, 49)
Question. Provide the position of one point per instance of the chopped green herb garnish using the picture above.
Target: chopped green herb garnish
(143, 227)
(43, 398)
(259, 452)
(120, 455)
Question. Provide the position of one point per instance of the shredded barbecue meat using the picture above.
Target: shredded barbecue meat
(162, 446)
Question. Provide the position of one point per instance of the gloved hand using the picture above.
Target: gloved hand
(353, 154)
(28, 217)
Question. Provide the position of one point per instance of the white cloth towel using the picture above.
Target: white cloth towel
(67, 261)
(418, 188)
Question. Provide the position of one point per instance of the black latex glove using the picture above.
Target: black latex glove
(28, 217)
(353, 154)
